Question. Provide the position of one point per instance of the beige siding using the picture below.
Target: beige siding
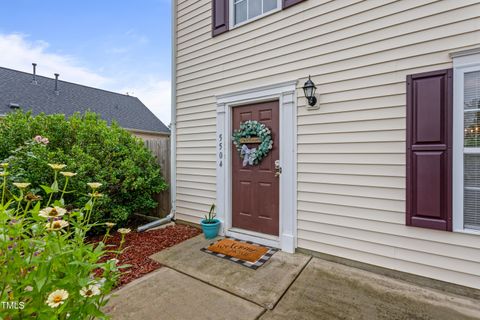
(351, 152)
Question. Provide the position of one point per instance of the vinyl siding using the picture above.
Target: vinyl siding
(351, 152)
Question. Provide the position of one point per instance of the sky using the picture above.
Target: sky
(121, 46)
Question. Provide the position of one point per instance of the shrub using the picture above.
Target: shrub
(47, 270)
(91, 148)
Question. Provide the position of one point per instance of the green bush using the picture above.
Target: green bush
(47, 269)
(92, 149)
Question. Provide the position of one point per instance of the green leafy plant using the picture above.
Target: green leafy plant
(210, 217)
(47, 269)
(90, 147)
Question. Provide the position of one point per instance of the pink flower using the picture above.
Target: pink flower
(40, 139)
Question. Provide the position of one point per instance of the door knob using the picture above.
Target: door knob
(278, 169)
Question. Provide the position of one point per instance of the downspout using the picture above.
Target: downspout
(173, 126)
(156, 223)
(173, 132)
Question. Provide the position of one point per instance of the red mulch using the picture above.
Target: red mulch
(139, 246)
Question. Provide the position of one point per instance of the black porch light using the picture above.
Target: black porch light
(309, 91)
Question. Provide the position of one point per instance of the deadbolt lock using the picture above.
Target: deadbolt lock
(278, 169)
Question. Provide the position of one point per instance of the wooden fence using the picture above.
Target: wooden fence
(160, 148)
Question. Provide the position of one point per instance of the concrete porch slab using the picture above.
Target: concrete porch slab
(167, 294)
(264, 286)
(327, 290)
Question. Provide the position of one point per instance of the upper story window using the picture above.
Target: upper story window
(246, 10)
(227, 14)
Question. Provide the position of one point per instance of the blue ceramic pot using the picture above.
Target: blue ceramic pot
(210, 230)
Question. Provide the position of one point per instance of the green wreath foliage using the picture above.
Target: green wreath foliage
(251, 129)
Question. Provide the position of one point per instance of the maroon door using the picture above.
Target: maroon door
(255, 188)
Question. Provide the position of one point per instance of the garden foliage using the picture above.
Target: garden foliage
(92, 149)
(47, 269)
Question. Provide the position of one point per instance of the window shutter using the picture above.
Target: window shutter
(289, 3)
(219, 16)
(429, 150)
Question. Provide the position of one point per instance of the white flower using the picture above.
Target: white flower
(124, 230)
(57, 166)
(56, 298)
(67, 174)
(56, 225)
(21, 185)
(28, 288)
(94, 185)
(110, 224)
(90, 291)
(50, 212)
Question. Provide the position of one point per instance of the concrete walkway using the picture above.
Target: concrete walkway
(195, 285)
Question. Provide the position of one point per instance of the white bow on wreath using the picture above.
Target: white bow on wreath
(248, 155)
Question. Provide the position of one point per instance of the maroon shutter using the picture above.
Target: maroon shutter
(219, 16)
(289, 3)
(429, 150)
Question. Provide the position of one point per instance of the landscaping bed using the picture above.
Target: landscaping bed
(139, 246)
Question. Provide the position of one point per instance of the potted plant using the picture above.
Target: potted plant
(210, 224)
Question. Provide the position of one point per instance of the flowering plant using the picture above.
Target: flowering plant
(96, 150)
(47, 269)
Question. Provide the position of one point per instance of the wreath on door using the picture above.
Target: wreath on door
(252, 131)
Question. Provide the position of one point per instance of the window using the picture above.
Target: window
(467, 144)
(244, 10)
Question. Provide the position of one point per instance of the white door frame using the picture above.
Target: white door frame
(285, 94)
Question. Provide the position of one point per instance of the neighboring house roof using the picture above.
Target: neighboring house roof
(17, 88)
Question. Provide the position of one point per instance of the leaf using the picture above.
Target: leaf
(59, 203)
(55, 186)
(89, 205)
(40, 282)
(47, 189)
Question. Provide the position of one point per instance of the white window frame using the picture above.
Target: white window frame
(232, 14)
(462, 63)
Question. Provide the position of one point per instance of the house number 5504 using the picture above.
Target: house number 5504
(220, 150)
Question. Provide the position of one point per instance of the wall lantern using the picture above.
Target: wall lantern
(309, 91)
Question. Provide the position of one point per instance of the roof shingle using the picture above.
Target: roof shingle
(16, 87)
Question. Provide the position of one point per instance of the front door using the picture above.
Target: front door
(255, 189)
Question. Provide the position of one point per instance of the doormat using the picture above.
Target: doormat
(246, 253)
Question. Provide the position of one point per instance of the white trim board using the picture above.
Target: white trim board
(462, 64)
(285, 94)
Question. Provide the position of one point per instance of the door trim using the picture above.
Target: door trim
(285, 94)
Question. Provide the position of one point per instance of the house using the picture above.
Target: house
(20, 90)
(381, 171)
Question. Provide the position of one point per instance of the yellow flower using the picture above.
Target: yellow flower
(90, 291)
(56, 298)
(68, 174)
(124, 230)
(4, 165)
(94, 185)
(3, 173)
(21, 185)
(110, 224)
(50, 212)
(57, 166)
(56, 225)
